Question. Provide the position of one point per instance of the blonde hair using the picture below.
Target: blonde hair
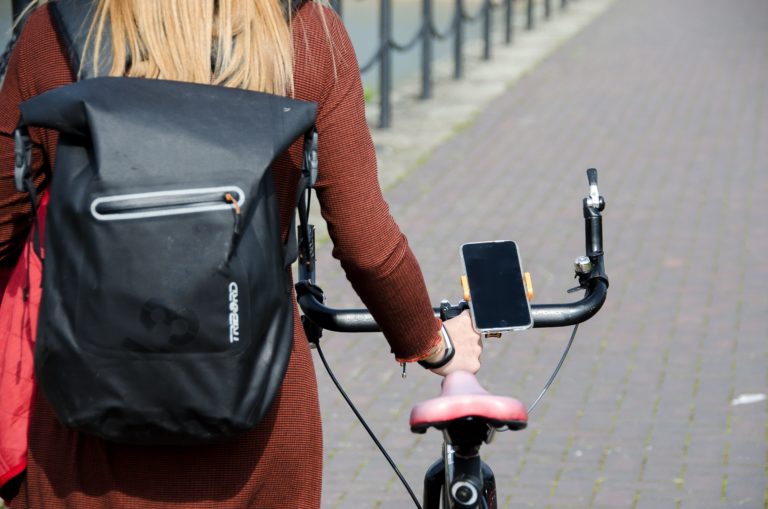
(235, 43)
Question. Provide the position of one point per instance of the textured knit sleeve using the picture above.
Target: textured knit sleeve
(366, 240)
(38, 64)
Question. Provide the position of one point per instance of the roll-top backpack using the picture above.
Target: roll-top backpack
(167, 313)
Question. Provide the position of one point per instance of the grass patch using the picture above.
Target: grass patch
(368, 94)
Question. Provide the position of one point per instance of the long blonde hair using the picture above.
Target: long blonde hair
(234, 43)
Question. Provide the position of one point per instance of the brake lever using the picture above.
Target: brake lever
(447, 311)
(594, 200)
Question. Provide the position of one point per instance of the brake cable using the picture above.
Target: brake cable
(379, 444)
(557, 370)
(365, 425)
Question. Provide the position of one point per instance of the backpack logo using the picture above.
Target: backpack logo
(234, 314)
(166, 326)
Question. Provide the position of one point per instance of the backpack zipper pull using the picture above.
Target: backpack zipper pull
(229, 198)
(236, 207)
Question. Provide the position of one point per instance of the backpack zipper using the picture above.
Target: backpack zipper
(169, 203)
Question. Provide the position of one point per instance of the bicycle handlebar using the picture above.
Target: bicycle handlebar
(590, 271)
(544, 315)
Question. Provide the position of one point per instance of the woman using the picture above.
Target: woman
(262, 45)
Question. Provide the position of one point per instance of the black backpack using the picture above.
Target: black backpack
(167, 310)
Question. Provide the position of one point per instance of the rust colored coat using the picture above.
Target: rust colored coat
(279, 463)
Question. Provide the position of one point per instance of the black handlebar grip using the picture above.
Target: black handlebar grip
(592, 176)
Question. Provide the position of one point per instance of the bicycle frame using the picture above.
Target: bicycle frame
(470, 481)
(460, 479)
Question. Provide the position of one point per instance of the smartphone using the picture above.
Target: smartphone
(497, 295)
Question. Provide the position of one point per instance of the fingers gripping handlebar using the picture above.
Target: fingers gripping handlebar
(590, 271)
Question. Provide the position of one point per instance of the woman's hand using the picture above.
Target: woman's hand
(467, 343)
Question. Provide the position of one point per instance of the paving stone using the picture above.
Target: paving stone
(669, 100)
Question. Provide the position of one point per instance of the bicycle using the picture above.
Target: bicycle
(467, 415)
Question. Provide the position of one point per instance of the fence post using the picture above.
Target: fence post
(509, 20)
(336, 5)
(487, 28)
(385, 63)
(426, 49)
(458, 41)
(547, 9)
(563, 3)
(529, 12)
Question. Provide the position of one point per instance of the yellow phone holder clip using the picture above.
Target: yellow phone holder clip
(528, 285)
(465, 287)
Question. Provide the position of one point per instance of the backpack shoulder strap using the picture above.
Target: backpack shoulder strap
(73, 20)
(295, 4)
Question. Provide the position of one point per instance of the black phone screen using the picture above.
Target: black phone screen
(497, 293)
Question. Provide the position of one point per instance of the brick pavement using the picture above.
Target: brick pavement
(669, 100)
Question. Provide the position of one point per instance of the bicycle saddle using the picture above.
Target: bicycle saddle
(463, 397)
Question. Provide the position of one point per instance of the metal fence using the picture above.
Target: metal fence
(427, 33)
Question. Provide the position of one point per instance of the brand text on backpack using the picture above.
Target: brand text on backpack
(234, 315)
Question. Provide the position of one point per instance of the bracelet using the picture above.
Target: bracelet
(449, 352)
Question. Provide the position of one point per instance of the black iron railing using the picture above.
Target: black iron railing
(427, 33)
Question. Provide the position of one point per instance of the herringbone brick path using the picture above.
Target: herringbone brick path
(669, 100)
